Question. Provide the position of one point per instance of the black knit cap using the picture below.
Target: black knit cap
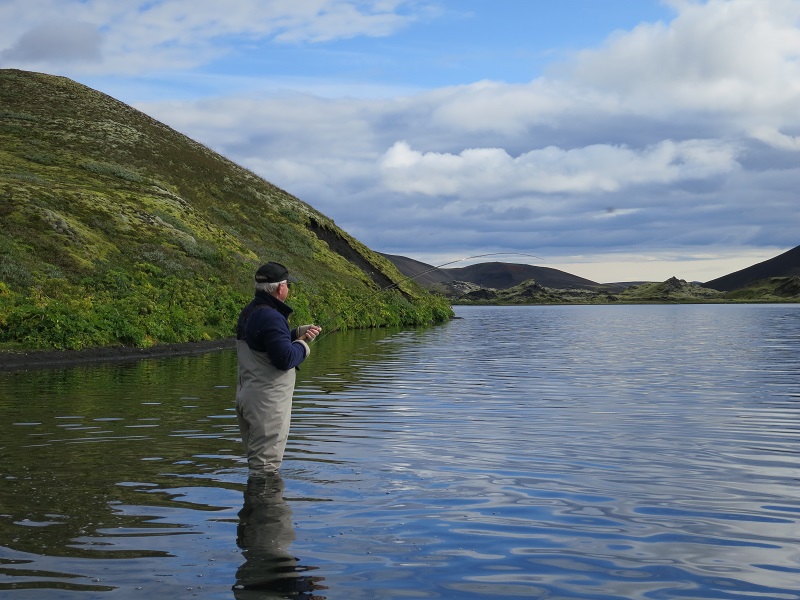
(273, 272)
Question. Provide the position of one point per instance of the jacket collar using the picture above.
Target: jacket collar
(262, 298)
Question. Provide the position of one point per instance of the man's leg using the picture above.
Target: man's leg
(264, 426)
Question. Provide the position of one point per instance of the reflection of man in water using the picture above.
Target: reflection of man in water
(264, 534)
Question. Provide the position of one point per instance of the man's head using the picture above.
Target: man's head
(273, 278)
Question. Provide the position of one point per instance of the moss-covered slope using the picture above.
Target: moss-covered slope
(116, 229)
(672, 291)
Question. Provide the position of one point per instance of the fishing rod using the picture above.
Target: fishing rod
(411, 278)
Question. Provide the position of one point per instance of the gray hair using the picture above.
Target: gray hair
(268, 288)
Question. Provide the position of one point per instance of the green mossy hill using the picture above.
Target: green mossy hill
(774, 289)
(771, 289)
(672, 291)
(530, 292)
(117, 230)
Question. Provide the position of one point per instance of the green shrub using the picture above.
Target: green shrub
(113, 170)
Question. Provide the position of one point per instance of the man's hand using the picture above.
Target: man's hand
(308, 332)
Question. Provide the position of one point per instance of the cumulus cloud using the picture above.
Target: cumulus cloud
(482, 172)
(730, 56)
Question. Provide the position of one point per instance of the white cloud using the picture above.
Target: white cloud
(325, 21)
(680, 134)
(776, 139)
(162, 35)
(729, 56)
(487, 172)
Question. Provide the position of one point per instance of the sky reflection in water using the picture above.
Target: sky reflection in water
(563, 452)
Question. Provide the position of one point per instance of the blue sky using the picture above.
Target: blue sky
(615, 139)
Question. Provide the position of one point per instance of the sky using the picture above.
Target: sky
(617, 140)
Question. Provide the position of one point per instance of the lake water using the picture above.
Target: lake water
(599, 452)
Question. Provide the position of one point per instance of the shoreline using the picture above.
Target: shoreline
(18, 360)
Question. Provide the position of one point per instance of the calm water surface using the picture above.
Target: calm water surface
(598, 452)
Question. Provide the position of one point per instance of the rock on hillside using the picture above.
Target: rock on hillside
(772, 289)
(789, 286)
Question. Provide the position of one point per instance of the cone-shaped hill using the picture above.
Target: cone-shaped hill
(783, 265)
(117, 230)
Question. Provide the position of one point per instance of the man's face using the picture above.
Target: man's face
(283, 291)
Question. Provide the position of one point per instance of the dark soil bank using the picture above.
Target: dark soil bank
(42, 359)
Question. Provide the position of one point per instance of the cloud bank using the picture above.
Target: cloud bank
(672, 145)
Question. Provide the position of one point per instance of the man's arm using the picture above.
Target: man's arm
(268, 331)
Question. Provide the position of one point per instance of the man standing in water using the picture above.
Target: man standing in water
(268, 353)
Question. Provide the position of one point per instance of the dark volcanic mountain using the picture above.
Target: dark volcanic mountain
(424, 274)
(504, 283)
(497, 275)
(501, 276)
(783, 265)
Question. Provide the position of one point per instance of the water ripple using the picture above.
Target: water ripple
(644, 452)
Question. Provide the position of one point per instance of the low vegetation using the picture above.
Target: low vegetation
(117, 230)
(672, 291)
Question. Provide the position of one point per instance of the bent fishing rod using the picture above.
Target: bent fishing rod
(411, 278)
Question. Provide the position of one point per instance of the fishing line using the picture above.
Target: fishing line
(411, 278)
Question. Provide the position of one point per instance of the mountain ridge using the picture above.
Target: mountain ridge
(496, 282)
(497, 275)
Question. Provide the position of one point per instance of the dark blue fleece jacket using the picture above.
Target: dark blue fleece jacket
(264, 325)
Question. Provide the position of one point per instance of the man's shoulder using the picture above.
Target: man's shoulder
(267, 316)
(253, 308)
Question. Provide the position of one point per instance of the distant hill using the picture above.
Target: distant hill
(117, 230)
(501, 276)
(504, 283)
(424, 274)
(778, 289)
(671, 290)
(783, 265)
(495, 275)
(504, 276)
